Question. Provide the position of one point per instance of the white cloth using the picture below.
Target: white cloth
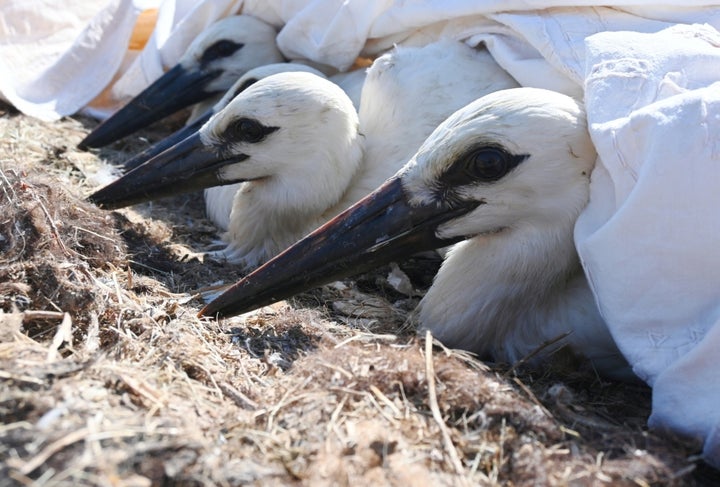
(650, 74)
(649, 239)
(53, 61)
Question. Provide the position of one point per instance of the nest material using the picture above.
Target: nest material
(108, 378)
(53, 248)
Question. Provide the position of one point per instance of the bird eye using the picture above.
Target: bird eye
(488, 164)
(481, 165)
(220, 49)
(248, 130)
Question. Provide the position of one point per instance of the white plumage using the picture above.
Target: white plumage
(219, 199)
(296, 173)
(407, 93)
(259, 48)
(352, 83)
(295, 143)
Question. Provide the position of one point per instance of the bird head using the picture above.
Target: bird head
(211, 64)
(228, 49)
(523, 156)
(245, 81)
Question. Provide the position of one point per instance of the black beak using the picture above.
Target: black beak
(167, 142)
(381, 228)
(187, 166)
(174, 90)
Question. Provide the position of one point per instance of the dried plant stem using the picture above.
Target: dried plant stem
(435, 409)
(540, 348)
(63, 335)
(32, 315)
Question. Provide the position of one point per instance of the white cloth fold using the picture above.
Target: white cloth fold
(56, 60)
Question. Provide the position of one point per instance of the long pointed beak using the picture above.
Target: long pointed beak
(381, 228)
(169, 141)
(173, 91)
(186, 166)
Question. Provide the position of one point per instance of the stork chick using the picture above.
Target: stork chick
(218, 199)
(507, 176)
(266, 138)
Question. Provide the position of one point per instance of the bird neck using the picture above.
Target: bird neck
(526, 287)
(272, 213)
(391, 138)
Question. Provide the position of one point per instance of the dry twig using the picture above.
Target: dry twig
(437, 416)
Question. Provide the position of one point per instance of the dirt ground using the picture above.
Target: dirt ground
(107, 377)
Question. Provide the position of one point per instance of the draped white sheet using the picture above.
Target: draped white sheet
(650, 75)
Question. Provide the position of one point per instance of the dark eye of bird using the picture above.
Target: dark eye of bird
(248, 130)
(488, 164)
(220, 49)
(482, 165)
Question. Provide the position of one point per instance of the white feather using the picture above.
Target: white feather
(294, 175)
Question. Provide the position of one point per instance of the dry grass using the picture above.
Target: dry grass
(108, 378)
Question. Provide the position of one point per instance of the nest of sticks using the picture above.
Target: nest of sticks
(107, 376)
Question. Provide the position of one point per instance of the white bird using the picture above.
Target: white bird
(406, 94)
(310, 166)
(301, 175)
(352, 83)
(219, 199)
(196, 121)
(507, 176)
(273, 137)
(212, 63)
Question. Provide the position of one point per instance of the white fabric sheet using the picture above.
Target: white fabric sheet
(53, 61)
(649, 239)
(650, 75)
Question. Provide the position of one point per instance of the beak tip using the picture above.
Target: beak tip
(210, 311)
(87, 142)
(92, 141)
(98, 200)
